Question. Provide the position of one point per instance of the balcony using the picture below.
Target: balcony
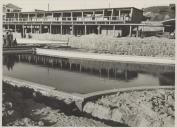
(72, 20)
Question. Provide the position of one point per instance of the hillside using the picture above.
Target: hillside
(159, 13)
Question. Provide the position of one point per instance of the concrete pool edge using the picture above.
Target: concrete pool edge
(79, 99)
(44, 89)
(105, 57)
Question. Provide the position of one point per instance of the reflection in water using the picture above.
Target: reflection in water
(109, 70)
(9, 60)
(167, 78)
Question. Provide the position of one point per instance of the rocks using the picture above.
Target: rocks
(88, 108)
(116, 115)
(170, 100)
(136, 108)
(23, 122)
(40, 123)
(170, 111)
(101, 112)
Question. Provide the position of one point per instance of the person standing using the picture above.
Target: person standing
(7, 39)
(15, 42)
(4, 40)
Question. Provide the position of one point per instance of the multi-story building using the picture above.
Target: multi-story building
(106, 21)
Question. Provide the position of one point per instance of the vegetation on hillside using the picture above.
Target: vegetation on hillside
(159, 13)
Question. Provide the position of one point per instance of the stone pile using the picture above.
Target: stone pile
(148, 108)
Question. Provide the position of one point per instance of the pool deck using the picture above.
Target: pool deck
(33, 41)
(105, 57)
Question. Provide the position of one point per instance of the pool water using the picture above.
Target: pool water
(85, 76)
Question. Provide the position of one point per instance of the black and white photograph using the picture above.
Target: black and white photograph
(88, 63)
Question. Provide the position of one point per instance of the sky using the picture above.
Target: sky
(30, 5)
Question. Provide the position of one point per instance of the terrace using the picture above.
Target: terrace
(105, 16)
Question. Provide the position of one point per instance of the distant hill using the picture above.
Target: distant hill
(159, 13)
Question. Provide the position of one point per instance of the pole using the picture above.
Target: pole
(48, 6)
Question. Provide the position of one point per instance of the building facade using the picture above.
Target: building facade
(106, 21)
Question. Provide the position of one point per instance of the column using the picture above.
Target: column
(94, 16)
(15, 27)
(61, 30)
(131, 12)
(103, 14)
(61, 16)
(82, 15)
(8, 26)
(98, 28)
(130, 31)
(31, 29)
(40, 28)
(50, 29)
(114, 28)
(112, 13)
(71, 16)
(23, 29)
(72, 30)
(36, 16)
(17, 16)
(137, 32)
(163, 29)
(85, 33)
(119, 14)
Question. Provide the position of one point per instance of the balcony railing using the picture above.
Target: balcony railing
(72, 19)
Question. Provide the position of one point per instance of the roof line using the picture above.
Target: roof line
(83, 9)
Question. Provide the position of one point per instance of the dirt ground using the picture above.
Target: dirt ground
(21, 107)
